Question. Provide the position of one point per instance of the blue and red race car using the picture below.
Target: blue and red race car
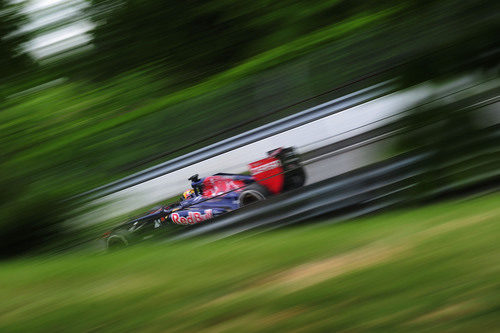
(215, 195)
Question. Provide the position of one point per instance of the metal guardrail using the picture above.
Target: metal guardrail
(370, 184)
(400, 180)
(356, 193)
(276, 127)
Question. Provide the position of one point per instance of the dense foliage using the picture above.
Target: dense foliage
(13, 61)
(196, 38)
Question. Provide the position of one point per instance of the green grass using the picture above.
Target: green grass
(434, 269)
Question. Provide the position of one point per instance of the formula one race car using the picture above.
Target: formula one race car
(215, 195)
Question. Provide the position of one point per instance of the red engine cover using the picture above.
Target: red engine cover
(269, 173)
(215, 185)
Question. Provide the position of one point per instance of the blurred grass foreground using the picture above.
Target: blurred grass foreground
(432, 269)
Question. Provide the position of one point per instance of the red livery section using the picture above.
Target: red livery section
(215, 185)
(269, 173)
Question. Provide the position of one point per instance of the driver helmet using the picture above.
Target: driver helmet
(188, 194)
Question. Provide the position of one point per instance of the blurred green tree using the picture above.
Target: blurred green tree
(193, 39)
(13, 58)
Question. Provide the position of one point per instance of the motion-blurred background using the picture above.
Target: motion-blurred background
(92, 91)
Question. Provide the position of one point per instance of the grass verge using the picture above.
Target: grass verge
(434, 269)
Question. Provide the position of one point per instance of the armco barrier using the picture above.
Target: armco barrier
(354, 188)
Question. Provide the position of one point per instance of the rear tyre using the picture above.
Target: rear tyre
(253, 193)
(294, 178)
